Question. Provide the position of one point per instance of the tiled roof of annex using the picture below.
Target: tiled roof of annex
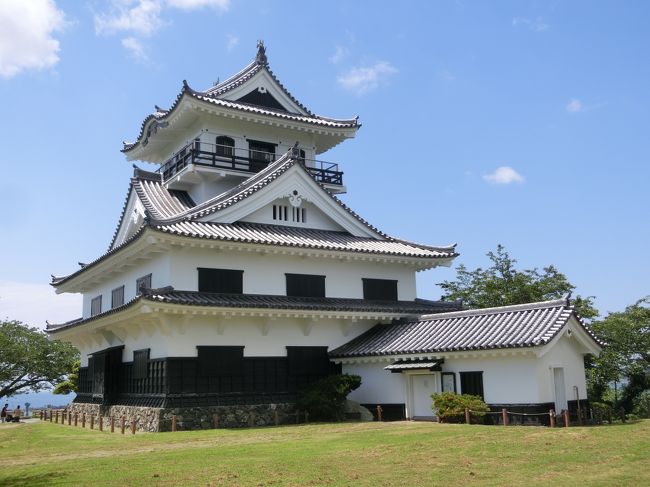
(518, 326)
(272, 302)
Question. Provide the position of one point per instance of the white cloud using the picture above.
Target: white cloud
(574, 106)
(504, 175)
(26, 35)
(233, 41)
(340, 53)
(537, 24)
(196, 4)
(363, 79)
(135, 47)
(141, 17)
(34, 303)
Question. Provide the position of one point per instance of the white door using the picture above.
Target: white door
(560, 389)
(423, 387)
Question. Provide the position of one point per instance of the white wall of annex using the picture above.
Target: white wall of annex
(565, 353)
(265, 273)
(158, 267)
(377, 385)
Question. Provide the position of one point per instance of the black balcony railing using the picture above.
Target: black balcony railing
(252, 161)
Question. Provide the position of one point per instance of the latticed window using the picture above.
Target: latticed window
(381, 289)
(471, 383)
(305, 285)
(117, 297)
(225, 146)
(221, 280)
(140, 363)
(96, 305)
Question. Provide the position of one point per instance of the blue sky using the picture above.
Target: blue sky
(521, 123)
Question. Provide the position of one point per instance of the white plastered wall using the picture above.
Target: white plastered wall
(265, 274)
(378, 386)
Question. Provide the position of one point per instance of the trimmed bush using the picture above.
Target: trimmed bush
(602, 411)
(324, 400)
(450, 407)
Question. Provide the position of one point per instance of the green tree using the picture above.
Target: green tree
(29, 361)
(626, 355)
(503, 284)
(70, 384)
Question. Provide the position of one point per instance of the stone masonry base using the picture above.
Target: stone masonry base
(160, 419)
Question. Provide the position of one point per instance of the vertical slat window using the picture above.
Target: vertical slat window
(96, 305)
(221, 280)
(143, 282)
(140, 363)
(472, 383)
(305, 285)
(225, 146)
(380, 289)
(117, 297)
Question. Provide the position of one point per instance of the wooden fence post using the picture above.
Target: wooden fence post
(92, 422)
(215, 420)
(173, 422)
(467, 418)
(76, 418)
(133, 427)
(123, 423)
(276, 417)
(251, 419)
(297, 416)
(306, 416)
(112, 424)
(101, 423)
(380, 410)
(56, 418)
(63, 416)
(83, 420)
(567, 422)
(504, 415)
(51, 415)
(551, 417)
(69, 418)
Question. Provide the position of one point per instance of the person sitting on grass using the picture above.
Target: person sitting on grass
(17, 414)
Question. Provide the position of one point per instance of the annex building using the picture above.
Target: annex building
(236, 275)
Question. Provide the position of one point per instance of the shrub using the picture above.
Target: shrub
(324, 400)
(602, 411)
(642, 404)
(451, 407)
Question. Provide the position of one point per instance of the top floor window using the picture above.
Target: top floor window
(305, 285)
(380, 289)
(225, 146)
(261, 154)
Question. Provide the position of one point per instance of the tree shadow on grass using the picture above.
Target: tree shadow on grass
(31, 480)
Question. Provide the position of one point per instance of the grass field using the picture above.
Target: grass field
(365, 454)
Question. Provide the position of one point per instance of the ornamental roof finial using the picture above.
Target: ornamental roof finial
(260, 58)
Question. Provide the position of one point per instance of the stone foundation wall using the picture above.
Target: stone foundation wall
(160, 419)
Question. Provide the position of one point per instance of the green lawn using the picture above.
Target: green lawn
(371, 454)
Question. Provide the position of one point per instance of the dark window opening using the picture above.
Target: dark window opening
(261, 154)
(225, 146)
(221, 281)
(117, 297)
(140, 363)
(143, 282)
(96, 306)
(221, 361)
(472, 383)
(380, 289)
(305, 285)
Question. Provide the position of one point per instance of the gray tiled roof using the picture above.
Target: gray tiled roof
(263, 301)
(259, 233)
(525, 325)
(414, 365)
